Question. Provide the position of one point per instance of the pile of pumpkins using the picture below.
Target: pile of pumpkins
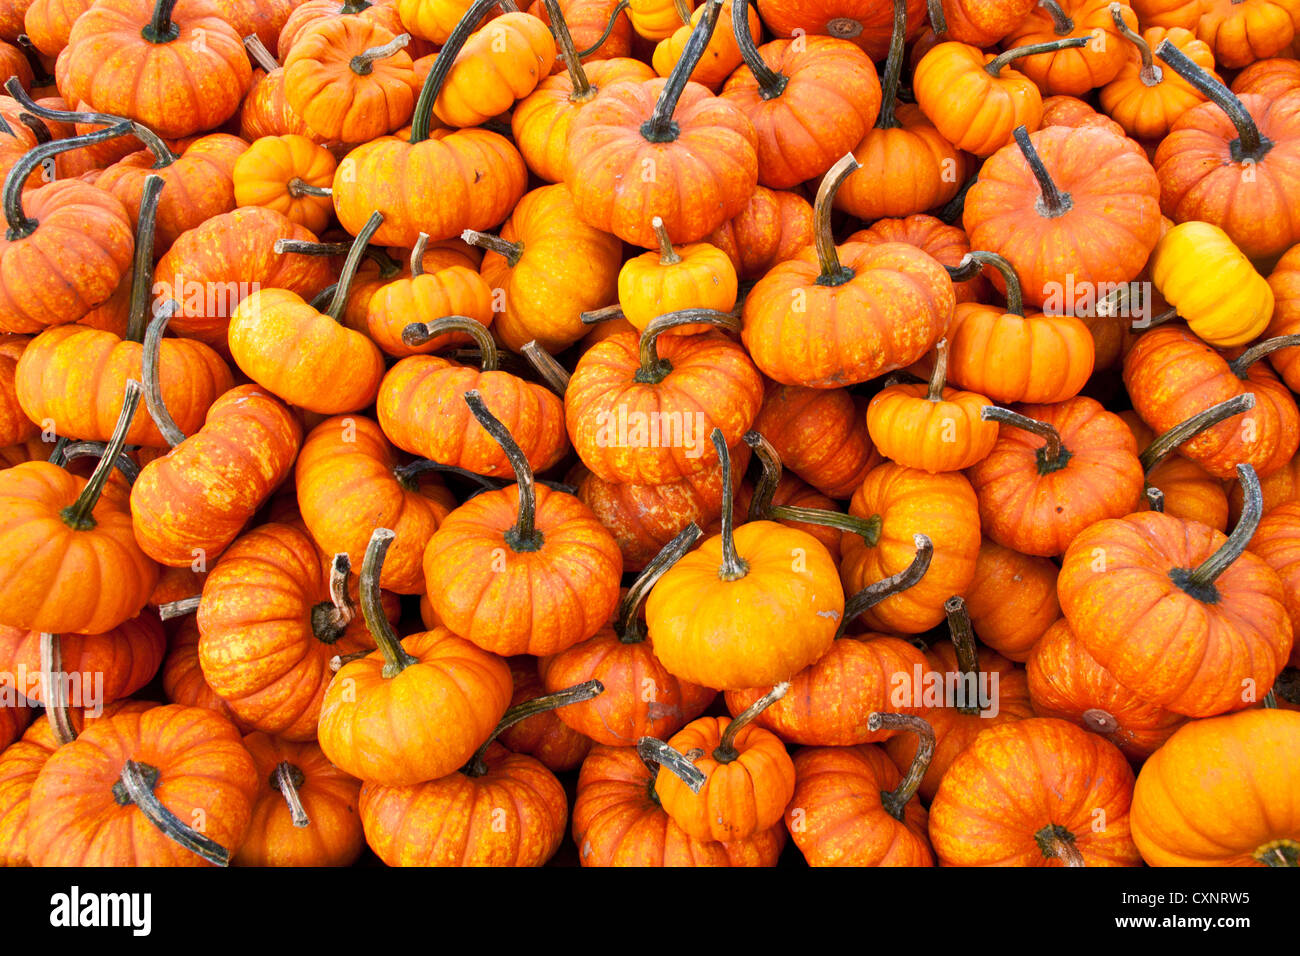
(852, 431)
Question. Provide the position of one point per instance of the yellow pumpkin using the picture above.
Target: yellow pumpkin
(694, 276)
(498, 65)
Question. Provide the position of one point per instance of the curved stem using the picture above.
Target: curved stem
(1150, 74)
(20, 227)
(660, 127)
(683, 11)
(609, 28)
(1250, 143)
(1056, 841)
(174, 609)
(894, 65)
(667, 254)
(1156, 500)
(142, 267)
(54, 688)
(1015, 298)
(655, 754)
(396, 659)
(363, 64)
(511, 251)
(1053, 456)
(873, 594)
(329, 619)
(406, 474)
(1161, 447)
(1200, 582)
(551, 371)
(78, 514)
(66, 451)
(344, 287)
(136, 786)
(260, 54)
(832, 272)
(160, 28)
(524, 536)
(938, 22)
(654, 369)
(963, 641)
(579, 693)
(606, 314)
(442, 66)
(1052, 203)
(299, 187)
(1061, 21)
(37, 126)
(288, 778)
(895, 801)
(417, 254)
(995, 65)
(733, 567)
(1241, 364)
(726, 750)
(151, 357)
(418, 333)
(627, 622)
(760, 503)
(337, 662)
(771, 84)
(955, 207)
(762, 509)
(564, 43)
(163, 156)
(934, 393)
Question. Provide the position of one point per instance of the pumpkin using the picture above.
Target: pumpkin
(1070, 779)
(1144, 97)
(658, 19)
(1168, 13)
(1244, 817)
(1187, 490)
(1163, 595)
(1276, 542)
(1073, 71)
(820, 434)
(947, 244)
(290, 174)
(543, 736)
(599, 26)
(1243, 31)
(978, 23)
(1284, 281)
(773, 227)
(15, 426)
(107, 667)
(502, 63)
(1012, 599)
(521, 570)
(864, 23)
(313, 12)
(698, 275)
(721, 54)
(1270, 77)
(182, 674)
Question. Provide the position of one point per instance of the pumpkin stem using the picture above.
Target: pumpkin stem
(350, 264)
(1200, 582)
(552, 372)
(582, 90)
(38, 128)
(895, 801)
(726, 750)
(873, 594)
(963, 641)
(511, 251)
(57, 708)
(1155, 500)
(136, 786)
(338, 660)
(350, 7)
(66, 451)
(667, 254)
(442, 67)
(299, 187)
(1055, 841)
(1250, 144)
(363, 64)
(771, 84)
(417, 333)
(1052, 203)
(628, 625)
(305, 247)
(1280, 853)
(142, 267)
(762, 509)
(417, 254)
(329, 619)
(938, 21)
(160, 29)
(78, 514)
(174, 609)
(832, 272)
(995, 65)
(1241, 364)
(609, 28)
(733, 566)
(887, 118)
(655, 754)
(1287, 685)
(1161, 447)
(1150, 74)
(1053, 456)
(577, 694)
(287, 779)
(20, 226)
(151, 357)
(524, 536)
(607, 314)
(396, 659)
(654, 369)
(940, 373)
(260, 54)
(683, 11)
(1060, 19)
(660, 127)
(406, 474)
(955, 207)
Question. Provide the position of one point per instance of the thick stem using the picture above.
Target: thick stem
(963, 641)
(1279, 853)
(363, 64)
(1052, 202)
(733, 567)
(350, 264)
(762, 509)
(609, 28)
(151, 357)
(1061, 22)
(655, 754)
(20, 226)
(1200, 582)
(396, 659)
(1241, 364)
(136, 786)
(442, 66)
(726, 750)
(771, 84)
(1150, 74)
(260, 54)
(54, 690)
(418, 333)
(288, 778)
(1055, 841)
(160, 28)
(873, 594)
(174, 609)
(627, 623)
(667, 254)
(888, 119)
(142, 267)
(895, 801)
(512, 252)
(995, 65)
(305, 247)
(524, 536)
(66, 451)
(683, 11)
(579, 693)
(952, 211)
(934, 393)
(417, 254)
(1162, 446)
(1053, 456)
(938, 21)
(654, 369)
(299, 187)
(607, 314)
(407, 474)
(1250, 143)
(572, 62)
(660, 127)
(832, 272)
(78, 514)
(552, 372)
(329, 619)
(38, 128)
(1156, 500)
(163, 156)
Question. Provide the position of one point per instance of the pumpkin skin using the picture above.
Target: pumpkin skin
(551, 742)
(182, 674)
(983, 23)
(721, 56)
(433, 21)
(1073, 71)
(1284, 281)
(971, 108)
(502, 63)
(448, 821)
(206, 67)
(618, 821)
(48, 23)
(1066, 682)
(313, 12)
(266, 110)
(867, 24)
(1168, 13)
(773, 227)
(329, 797)
(909, 502)
(202, 766)
(1204, 379)
(1248, 817)
(1148, 111)
(820, 434)
(15, 426)
(1105, 237)
(1277, 541)
(652, 284)
(1248, 30)
(947, 244)
(1065, 773)
(1270, 78)
(268, 175)
(932, 436)
(421, 725)
(70, 264)
(1012, 599)
(740, 798)
(124, 658)
(194, 500)
(655, 19)
(47, 564)
(1143, 628)
(843, 822)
